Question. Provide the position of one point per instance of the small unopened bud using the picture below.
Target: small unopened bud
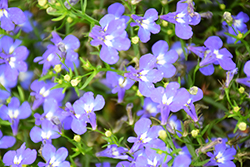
(227, 16)
(164, 23)
(67, 77)
(241, 89)
(58, 68)
(50, 73)
(77, 138)
(75, 82)
(159, 152)
(222, 6)
(240, 35)
(193, 90)
(69, 19)
(134, 2)
(169, 32)
(108, 133)
(162, 134)
(135, 39)
(195, 132)
(60, 81)
(242, 126)
(236, 108)
(50, 10)
(42, 2)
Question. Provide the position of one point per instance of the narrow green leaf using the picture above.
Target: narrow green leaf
(89, 79)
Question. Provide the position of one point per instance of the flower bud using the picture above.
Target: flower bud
(75, 82)
(135, 39)
(162, 134)
(227, 16)
(60, 81)
(42, 2)
(164, 23)
(222, 6)
(77, 138)
(236, 108)
(58, 68)
(240, 35)
(134, 2)
(69, 19)
(195, 132)
(193, 90)
(67, 77)
(50, 10)
(242, 126)
(241, 89)
(108, 133)
(169, 32)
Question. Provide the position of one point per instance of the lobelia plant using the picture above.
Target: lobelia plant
(158, 103)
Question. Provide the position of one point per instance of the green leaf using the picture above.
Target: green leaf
(5, 123)
(200, 163)
(214, 103)
(2, 87)
(89, 79)
(59, 18)
(21, 93)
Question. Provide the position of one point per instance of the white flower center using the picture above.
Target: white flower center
(160, 59)
(88, 107)
(219, 158)
(218, 55)
(50, 57)
(122, 82)
(166, 100)
(13, 114)
(44, 92)
(12, 62)
(17, 160)
(151, 109)
(179, 17)
(3, 12)
(46, 135)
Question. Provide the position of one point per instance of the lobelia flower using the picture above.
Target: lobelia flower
(146, 24)
(44, 134)
(182, 160)
(63, 49)
(84, 108)
(6, 141)
(77, 121)
(230, 75)
(112, 36)
(52, 113)
(113, 151)
(238, 25)
(145, 134)
(10, 16)
(4, 94)
(26, 26)
(146, 75)
(183, 18)
(104, 164)
(117, 9)
(222, 156)
(212, 54)
(174, 125)
(172, 98)
(149, 158)
(196, 94)
(245, 81)
(118, 84)
(25, 79)
(14, 112)
(41, 91)
(19, 157)
(149, 108)
(164, 58)
(13, 56)
(54, 157)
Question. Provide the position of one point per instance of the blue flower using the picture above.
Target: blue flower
(54, 157)
(19, 157)
(146, 24)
